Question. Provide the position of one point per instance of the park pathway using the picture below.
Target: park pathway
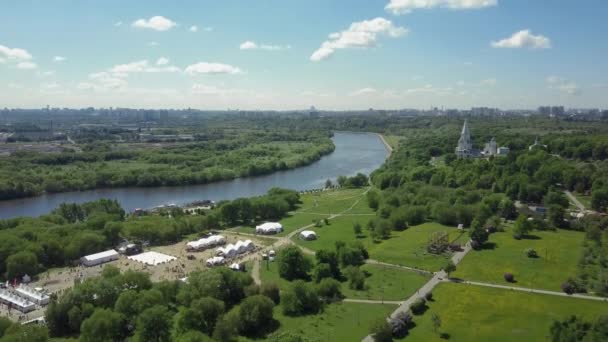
(528, 290)
(575, 200)
(414, 269)
(255, 272)
(426, 288)
(370, 301)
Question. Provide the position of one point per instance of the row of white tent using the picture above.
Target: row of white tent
(99, 258)
(17, 302)
(230, 250)
(269, 228)
(212, 241)
(33, 295)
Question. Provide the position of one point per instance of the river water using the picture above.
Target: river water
(355, 152)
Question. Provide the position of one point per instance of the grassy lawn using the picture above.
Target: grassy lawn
(392, 140)
(337, 322)
(408, 247)
(558, 252)
(387, 283)
(585, 200)
(472, 313)
(339, 229)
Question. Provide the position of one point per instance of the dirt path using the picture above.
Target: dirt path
(255, 272)
(389, 148)
(575, 200)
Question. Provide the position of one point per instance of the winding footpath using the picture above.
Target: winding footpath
(575, 200)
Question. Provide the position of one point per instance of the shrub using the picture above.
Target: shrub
(509, 277)
(300, 299)
(329, 289)
(571, 286)
(381, 331)
(531, 253)
(418, 306)
(271, 290)
(401, 324)
(356, 278)
(428, 296)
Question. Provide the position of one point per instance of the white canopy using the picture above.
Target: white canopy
(218, 260)
(269, 228)
(32, 295)
(152, 258)
(231, 250)
(99, 258)
(214, 240)
(308, 235)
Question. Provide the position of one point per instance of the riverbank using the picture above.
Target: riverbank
(361, 152)
(389, 148)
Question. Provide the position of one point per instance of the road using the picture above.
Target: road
(575, 200)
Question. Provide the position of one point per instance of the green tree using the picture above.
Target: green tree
(227, 329)
(356, 277)
(357, 229)
(21, 263)
(300, 298)
(449, 267)
(154, 325)
(255, 313)
(292, 263)
(201, 315)
(329, 289)
(521, 227)
(381, 331)
(103, 326)
(599, 199)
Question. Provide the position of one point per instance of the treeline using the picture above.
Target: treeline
(239, 153)
(32, 245)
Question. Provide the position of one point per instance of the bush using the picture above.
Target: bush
(509, 277)
(571, 286)
(329, 289)
(255, 312)
(356, 278)
(401, 324)
(300, 299)
(321, 271)
(531, 253)
(271, 290)
(381, 331)
(428, 296)
(293, 264)
(418, 306)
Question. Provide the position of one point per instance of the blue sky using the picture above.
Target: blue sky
(278, 54)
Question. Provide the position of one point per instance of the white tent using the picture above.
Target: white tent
(269, 228)
(16, 302)
(99, 258)
(218, 260)
(152, 258)
(32, 295)
(212, 241)
(308, 235)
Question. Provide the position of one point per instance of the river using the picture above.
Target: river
(355, 152)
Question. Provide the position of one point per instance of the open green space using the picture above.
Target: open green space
(317, 206)
(584, 199)
(387, 283)
(339, 229)
(474, 313)
(408, 248)
(558, 251)
(393, 140)
(338, 321)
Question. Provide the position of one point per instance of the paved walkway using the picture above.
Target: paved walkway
(529, 290)
(426, 288)
(370, 301)
(575, 200)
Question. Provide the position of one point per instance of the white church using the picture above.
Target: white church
(465, 147)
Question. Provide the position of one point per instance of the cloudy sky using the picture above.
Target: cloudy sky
(288, 54)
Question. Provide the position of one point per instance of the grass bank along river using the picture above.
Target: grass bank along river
(354, 152)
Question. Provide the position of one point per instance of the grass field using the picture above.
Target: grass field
(321, 205)
(339, 229)
(387, 283)
(392, 140)
(408, 248)
(585, 200)
(337, 322)
(558, 252)
(471, 313)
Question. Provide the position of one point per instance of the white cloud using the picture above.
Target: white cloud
(203, 89)
(26, 65)
(162, 61)
(59, 59)
(47, 73)
(249, 45)
(563, 85)
(144, 66)
(362, 34)
(193, 28)
(102, 81)
(212, 68)
(428, 88)
(118, 23)
(523, 39)
(2, 60)
(363, 92)
(15, 53)
(490, 82)
(157, 23)
(208, 29)
(153, 44)
(398, 7)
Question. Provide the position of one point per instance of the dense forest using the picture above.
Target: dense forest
(216, 154)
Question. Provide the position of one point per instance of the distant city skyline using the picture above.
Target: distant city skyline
(281, 55)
